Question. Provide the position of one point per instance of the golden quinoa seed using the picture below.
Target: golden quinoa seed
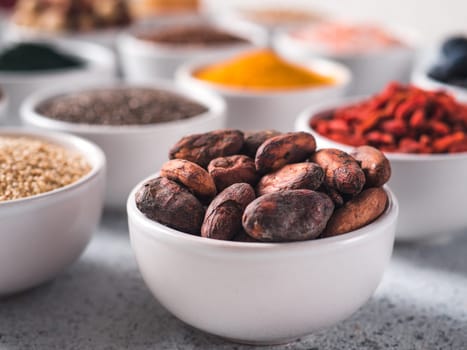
(30, 166)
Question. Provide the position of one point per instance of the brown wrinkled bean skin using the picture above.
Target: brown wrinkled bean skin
(226, 171)
(191, 175)
(170, 204)
(291, 215)
(333, 194)
(254, 139)
(223, 219)
(202, 148)
(374, 164)
(357, 212)
(284, 149)
(242, 236)
(292, 177)
(342, 171)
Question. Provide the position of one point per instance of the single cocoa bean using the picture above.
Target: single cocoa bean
(335, 196)
(357, 212)
(192, 176)
(292, 177)
(242, 236)
(342, 172)
(202, 148)
(170, 204)
(226, 171)
(291, 215)
(374, 164)
(223, 219)
(254, 139)
(284, 149)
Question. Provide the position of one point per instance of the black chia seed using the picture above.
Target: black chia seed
(122, 106)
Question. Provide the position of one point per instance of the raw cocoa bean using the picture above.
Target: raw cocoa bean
(223, 219)
(242, 236)
(170, 204)
(254, 139)
(342, 172)
(291, 215)
(357, 212)
(226, 171)
(284, 149)
(202, 148)
(333, 194)
(374, 164)
(292, 177)
(192, 176)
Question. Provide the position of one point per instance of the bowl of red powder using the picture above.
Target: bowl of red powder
(424, 135)
(374, 53)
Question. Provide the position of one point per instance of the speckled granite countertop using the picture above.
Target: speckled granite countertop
(101, 302)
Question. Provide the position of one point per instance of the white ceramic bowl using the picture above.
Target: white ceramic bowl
(144, 61)
(100, 67)
(106, 37)
(428, 187)
(371, 71)
(261, 293)
(133, 152)
(3, 106)
(41, 235)
(421, 79)
(258, 110)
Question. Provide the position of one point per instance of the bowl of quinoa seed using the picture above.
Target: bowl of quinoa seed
(51, 197)
(31, 166)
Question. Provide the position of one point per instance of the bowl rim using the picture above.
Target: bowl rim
(215, 104)
(82, 146)
(185, 75)
(238, 28)
(157, 231)
(409, 38)
(311, 112)
(95, 57)
(422, 79)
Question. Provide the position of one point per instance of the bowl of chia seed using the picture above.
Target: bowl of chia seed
(28, 66)
(135, 124)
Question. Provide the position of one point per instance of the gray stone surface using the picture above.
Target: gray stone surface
(101, 302)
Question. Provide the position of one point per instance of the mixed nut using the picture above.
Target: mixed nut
(289, 191)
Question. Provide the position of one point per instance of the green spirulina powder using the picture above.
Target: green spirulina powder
(25, 57)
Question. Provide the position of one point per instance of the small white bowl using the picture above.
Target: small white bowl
(106, 37)
(143, 60)
(371, 71)
(99, 66)
(132, 151)
(41, 235)
(261, 293)
(421, 79)
(3, 105)
(258, 110)
(429, 187)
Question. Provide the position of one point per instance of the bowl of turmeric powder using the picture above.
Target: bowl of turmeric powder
(264, 90)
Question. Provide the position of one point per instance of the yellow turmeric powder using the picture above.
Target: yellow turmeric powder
(261, 70)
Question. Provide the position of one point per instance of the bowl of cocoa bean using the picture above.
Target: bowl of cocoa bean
(28, 66)
(135, 124)
(424, 136)
(155, 49)
(247, 235)
(51, 196)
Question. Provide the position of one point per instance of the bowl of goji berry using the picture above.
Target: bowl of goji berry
(423, 134)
